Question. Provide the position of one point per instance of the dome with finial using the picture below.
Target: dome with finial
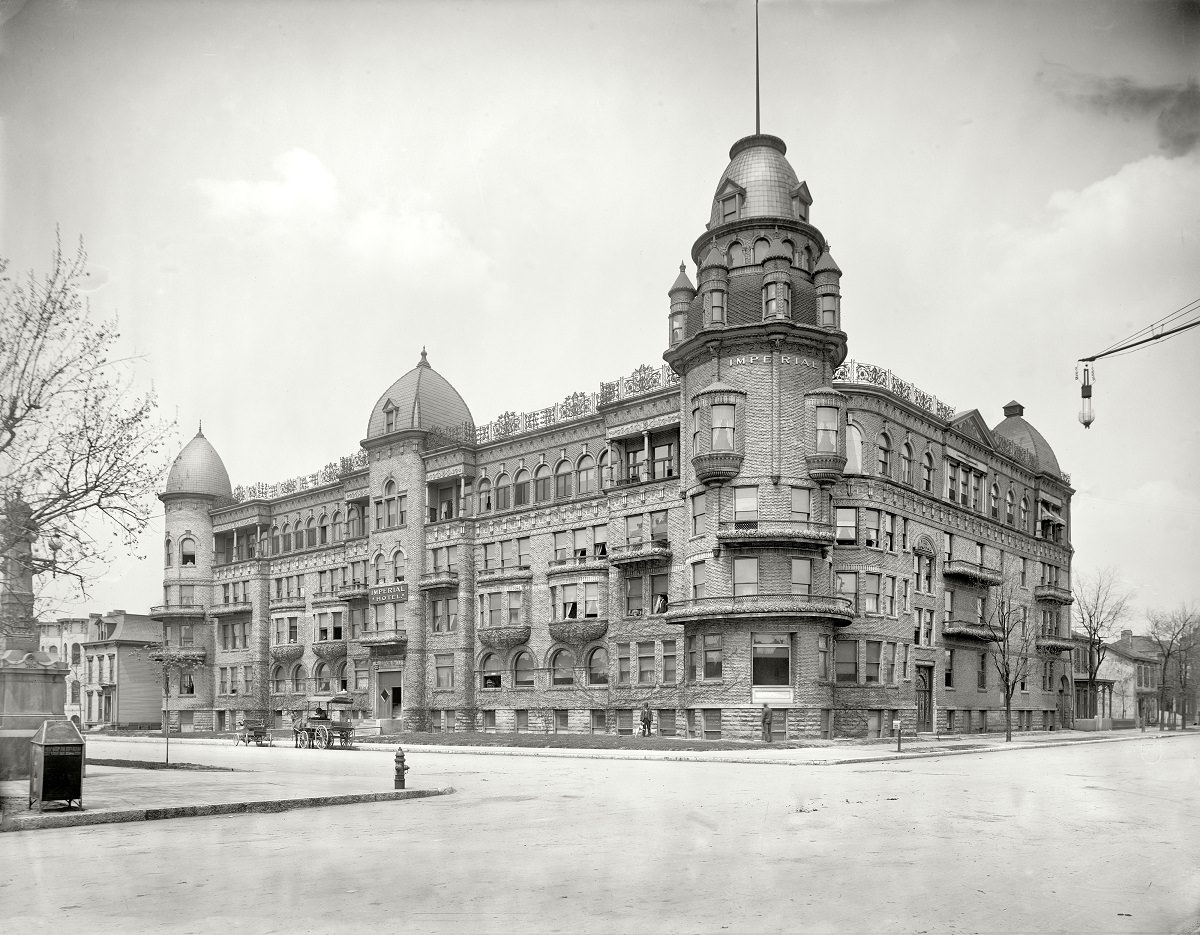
(1015, 429)
(199, 470)
(421, 399)
(682, 283)
(762, 180)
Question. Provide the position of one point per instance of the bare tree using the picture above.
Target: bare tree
(81, 453)
(171, 658)
(1015, 642)
(1174, 634)
(1101, 604)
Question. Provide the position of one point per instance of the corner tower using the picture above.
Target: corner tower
(756, 345)
(196, 484)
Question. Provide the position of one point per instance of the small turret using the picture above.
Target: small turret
(681, 293)
(827, 277)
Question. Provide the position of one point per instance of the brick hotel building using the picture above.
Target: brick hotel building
(759, 520)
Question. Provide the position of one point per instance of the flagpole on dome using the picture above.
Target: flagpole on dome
(757, 96)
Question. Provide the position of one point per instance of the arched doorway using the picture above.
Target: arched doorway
(924, 688)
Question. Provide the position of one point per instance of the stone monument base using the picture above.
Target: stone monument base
(33, 689)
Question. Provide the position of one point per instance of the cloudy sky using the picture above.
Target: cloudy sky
(284, 202)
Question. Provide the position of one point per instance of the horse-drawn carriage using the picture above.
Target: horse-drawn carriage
(253, 729)
(325, 722)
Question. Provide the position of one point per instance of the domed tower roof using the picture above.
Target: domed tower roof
(1021, 433)
(421, 399)
(760, 174)
(198, 469)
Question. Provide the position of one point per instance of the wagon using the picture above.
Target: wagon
(324, 723)
(253, 730)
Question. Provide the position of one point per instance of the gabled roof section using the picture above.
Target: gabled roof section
(971, 425)
(801, 191)
(728, 187)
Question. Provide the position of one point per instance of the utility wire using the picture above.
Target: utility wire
(1136, 339)
(1150, 327)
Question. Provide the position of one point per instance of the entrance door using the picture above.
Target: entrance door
(924, 698)
(388, 697)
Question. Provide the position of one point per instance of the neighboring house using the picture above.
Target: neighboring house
(1133, 672)
(122, 686)
(63, 640)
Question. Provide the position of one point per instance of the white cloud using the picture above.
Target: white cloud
(304, 189)
(303, 210)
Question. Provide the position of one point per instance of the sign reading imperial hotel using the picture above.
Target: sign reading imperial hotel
(757, 521)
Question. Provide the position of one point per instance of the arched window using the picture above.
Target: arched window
(278, 682)
(603, 473)
(485, 495)
(761, 247)
(353, 522)
(264, 546)
(585, 475)
(503, 493)
(336, 526)
(287, 537)
(323, 530)
(310, 533)
(339, 678)
(927, 473)
(398, 565)
(521, 489)
(562, 668)
(776, 299)
(994, 500)
(380, 576)
(562, 480)
(541, 483)
(883, 455)
(390, 515)
(792, 252)
(169, 551)
(321, 677)
(275, 549)
(187, 551)
(1024, 514)
(523, 670)
(808, 258)
(736, 255)
(598, 666)
(854, 445)
(299, 678)
(75, 692)
(1008, 508)
(76, 655)
(906, 464)
(490, 672)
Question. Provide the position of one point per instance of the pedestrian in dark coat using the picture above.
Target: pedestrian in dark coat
(645, 719)
(766, 722)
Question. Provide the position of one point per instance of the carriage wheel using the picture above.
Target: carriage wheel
(344, 741)
(321, 738)
(302, 736)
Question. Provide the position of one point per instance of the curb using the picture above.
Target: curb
(737, 758)
(42, 821)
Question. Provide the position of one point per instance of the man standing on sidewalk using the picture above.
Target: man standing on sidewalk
(645, 719)
(766, 722)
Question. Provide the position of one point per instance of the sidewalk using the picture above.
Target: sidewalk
(120, 794)
(822, 753)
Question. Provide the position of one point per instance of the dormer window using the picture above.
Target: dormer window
(801, 199)
(776, 300)
(729, 208)
(389, 418)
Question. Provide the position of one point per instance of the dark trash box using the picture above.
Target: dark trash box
(56, 764)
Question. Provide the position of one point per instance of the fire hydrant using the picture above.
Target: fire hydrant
(401, 769)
